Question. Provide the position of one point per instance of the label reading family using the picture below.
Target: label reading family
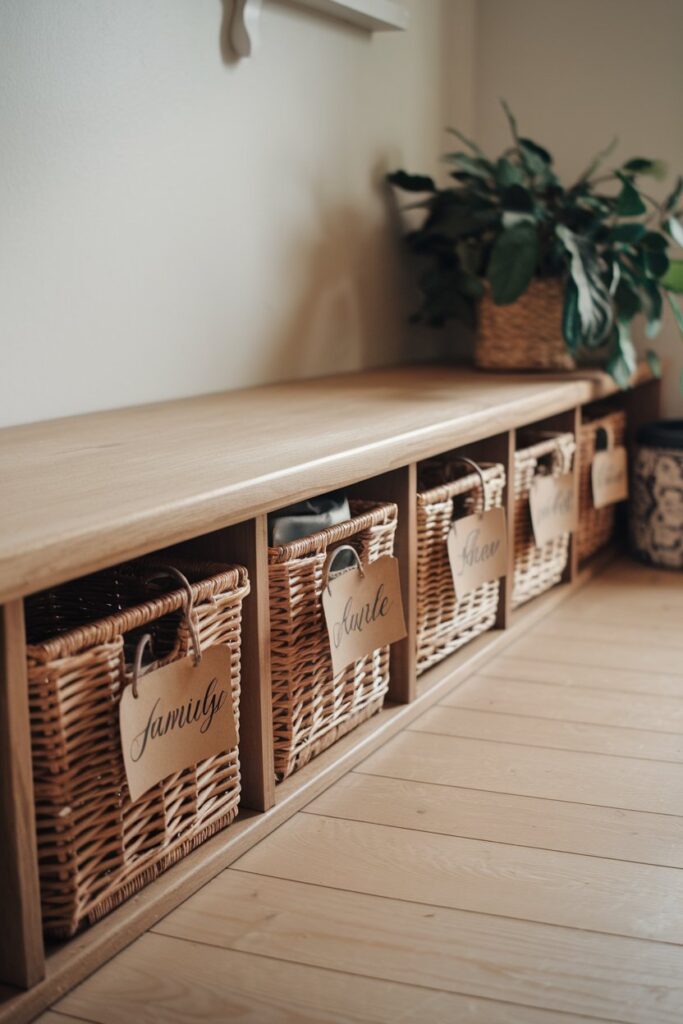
(609, 477)
(363, 612)
(183, 714)
(477, 550)
(551, 501)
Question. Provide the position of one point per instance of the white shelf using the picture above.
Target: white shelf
(373, 15)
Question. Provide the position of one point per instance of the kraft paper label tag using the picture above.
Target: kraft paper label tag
(182, 715)
(551, 501)
(609, 476)
(364, 612)
(477, 550)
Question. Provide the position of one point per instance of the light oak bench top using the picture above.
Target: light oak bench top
(84, 492)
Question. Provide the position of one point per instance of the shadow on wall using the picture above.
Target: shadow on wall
(357, 296)
(358, 284)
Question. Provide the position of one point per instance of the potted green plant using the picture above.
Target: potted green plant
(556, 274)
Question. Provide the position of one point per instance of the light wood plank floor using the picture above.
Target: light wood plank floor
(514, 857)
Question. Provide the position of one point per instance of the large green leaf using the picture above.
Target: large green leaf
(632, 232)
(411, 182)
(513, 262)
(623, 361)
(538, 151)
(508, 174)
(675, 229)
(518, 199)
(593, 299)
(629, 203)
(674, 196)
(477, 166)
(673, 279)
(652, 307)
(653, 262)
(642, 165)
(653, 241)
(571, 320)
(626, 300)
(458, 221)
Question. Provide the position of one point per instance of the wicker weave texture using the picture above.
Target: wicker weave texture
(527, 334)
(311, 707)
(445, 623)
(95, 847)
(596, 525)
(538, 568)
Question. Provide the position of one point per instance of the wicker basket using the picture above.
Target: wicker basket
(95, 847)
(538, 568)
(596, 525)
(444, 623)
(527, 334)
(311, 707)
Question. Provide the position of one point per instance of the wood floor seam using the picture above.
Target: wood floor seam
(466, 910)
(495, 842)
(573, 686)
(506, 792)
(542, 746)
(377, 977)
(581, 665)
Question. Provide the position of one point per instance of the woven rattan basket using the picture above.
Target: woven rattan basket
(538, 568)
(95, 847)
(527, 334)
(443, 623)
(596, 525)
(311, 707)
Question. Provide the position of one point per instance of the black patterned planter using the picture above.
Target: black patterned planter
(656, 506)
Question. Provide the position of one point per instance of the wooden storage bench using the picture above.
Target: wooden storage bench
(201, 475)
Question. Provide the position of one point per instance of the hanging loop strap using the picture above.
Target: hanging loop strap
(329, 562)
(190, 617)
(143, 643)
(480, 473)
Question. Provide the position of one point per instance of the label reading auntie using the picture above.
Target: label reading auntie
(551, 500)
(363, 612)
(183, 714)
(609, 477)
(477, 550)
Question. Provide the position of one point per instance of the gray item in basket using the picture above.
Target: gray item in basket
(307, 517)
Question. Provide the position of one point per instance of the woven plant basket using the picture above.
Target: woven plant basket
(311, 707)
(538, 568)
(95, 847)
(444, 623)
(527, 334)
(596, 525)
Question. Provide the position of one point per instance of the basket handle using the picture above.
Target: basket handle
(607, 433)
(143, 643)
(329, 562)
(190, 617)
(557, 461)
(480, 473)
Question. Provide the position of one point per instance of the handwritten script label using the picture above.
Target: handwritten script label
(182, 715)
(477, 550)
(551, 500)
(609, 477)
(363, 613)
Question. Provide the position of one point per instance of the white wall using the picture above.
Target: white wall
(173, 223)
(578, 72)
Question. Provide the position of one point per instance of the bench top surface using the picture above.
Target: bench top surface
(83, 492)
